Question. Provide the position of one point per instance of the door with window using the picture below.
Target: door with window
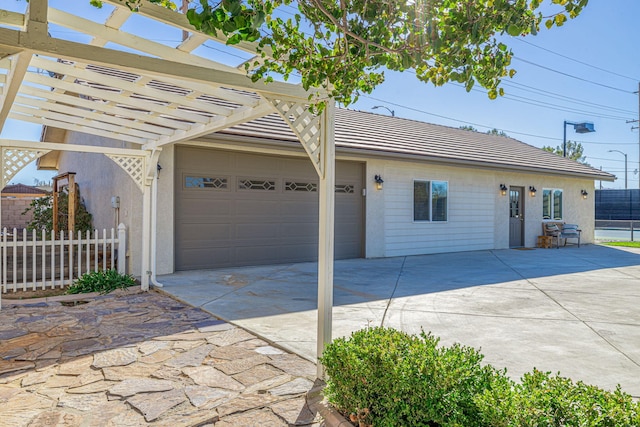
(516, 217)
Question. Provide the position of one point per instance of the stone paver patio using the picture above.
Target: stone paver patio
(132, 359)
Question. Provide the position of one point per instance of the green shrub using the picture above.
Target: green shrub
(542, 399)
(390, 378)
(42, 211)
(101, 281)
(384, 377)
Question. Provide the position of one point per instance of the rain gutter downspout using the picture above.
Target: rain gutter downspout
(154, 227)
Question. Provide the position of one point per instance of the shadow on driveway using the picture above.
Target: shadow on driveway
(259, 291)
(573, 310)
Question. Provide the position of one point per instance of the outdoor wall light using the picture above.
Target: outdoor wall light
(503, 189)
(378, 179)
(159, 169)
(532, 191)
(584, 193)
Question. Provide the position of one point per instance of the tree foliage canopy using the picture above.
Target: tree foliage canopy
(575, 151)
(344, 46)
(493, 131)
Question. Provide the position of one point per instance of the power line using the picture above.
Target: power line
(576, 60)
(559, 107)
(509, 131)
(417, 110)
(612, 160)
(548, 105)
(607, 143)
(538, 91)
(572, 76)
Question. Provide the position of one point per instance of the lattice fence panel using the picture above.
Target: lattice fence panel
(306, 126)
(15, 159)
(134, 166)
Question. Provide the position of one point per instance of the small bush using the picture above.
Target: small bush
(542, 399)
(101, 281)
(384, 377)
(389, 378)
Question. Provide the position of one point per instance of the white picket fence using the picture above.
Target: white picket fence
(31, 260)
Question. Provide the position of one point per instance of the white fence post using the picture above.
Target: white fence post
(122, 249)
(21, 258)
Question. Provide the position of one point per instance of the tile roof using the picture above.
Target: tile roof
(375, 134)
(23, 189)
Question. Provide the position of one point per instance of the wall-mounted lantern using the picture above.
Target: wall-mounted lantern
(532, 191)
(503, 189)
(378, 180)
(584, 193)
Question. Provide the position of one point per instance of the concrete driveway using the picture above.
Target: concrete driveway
(572, 310)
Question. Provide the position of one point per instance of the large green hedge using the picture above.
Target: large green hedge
(384, 377)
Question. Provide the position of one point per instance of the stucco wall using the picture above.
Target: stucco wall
(576, 209)
(478, 216)
(100, 179)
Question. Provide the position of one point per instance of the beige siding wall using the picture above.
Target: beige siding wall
(470, 224)
(478, 215)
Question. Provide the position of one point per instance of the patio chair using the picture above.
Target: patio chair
(570, 231)
(559, 231)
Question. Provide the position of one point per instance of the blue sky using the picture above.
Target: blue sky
(606, 36)
(586, 70)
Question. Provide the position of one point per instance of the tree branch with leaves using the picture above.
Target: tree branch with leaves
(575, 151)
(345, 46)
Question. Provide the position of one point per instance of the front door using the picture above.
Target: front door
(516, 217)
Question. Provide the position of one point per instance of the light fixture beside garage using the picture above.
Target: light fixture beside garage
(532, 191)
(503, 189)
(584, 193)
(378, 180)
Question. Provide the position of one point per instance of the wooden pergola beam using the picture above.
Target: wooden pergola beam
(105, 33)
(241, 115)
(19, 66)
(52, 146)
(74, 51)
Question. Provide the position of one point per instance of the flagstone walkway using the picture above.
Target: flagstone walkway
(135, 359)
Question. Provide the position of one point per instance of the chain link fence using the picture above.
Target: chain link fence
(617, 229)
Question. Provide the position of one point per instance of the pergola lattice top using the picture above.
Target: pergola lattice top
(140, 91)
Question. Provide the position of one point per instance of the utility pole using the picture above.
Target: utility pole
(637, 127)
(601, 180)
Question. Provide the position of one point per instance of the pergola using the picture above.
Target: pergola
(123, 86)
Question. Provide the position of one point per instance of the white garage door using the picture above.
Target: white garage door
(238, 209)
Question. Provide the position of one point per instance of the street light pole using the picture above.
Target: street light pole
(583, 127)
(393, 113)
(564, 140)
(625, 165)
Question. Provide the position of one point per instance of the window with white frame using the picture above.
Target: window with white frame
(430, 200)
(552, 203)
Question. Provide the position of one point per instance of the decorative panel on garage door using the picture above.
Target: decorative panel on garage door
(238, 209)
